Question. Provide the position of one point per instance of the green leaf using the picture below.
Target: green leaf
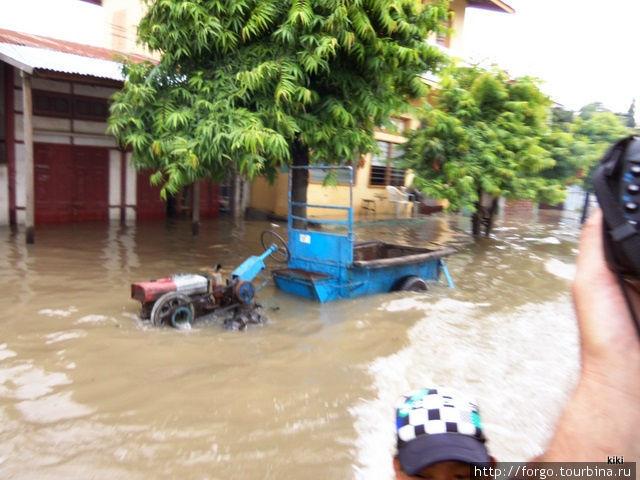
(240, 83)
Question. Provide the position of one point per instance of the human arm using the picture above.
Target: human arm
(602, 418)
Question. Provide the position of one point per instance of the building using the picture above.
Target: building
(57, 163)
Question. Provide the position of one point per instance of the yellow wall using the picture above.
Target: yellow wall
(455, 41)
(273, 198)
(121, 18)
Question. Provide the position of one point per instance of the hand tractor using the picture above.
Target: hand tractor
(179, 299)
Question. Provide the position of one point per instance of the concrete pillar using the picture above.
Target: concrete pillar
(115, 185)
(131, 187)
(27, 115)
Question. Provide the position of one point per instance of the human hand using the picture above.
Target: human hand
(607, 332)
(602, 417)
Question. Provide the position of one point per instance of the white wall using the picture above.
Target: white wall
(132, 190)
(20, 191)
(4, 195)
(115, 185)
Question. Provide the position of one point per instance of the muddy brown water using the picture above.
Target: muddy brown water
(87, 390)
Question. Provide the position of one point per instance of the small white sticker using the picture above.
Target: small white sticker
(304, 238)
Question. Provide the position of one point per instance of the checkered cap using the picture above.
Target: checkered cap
(435, 425)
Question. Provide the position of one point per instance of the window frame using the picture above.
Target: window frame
(49, 113)
(96, 100)
(389, 174)
(72, 100)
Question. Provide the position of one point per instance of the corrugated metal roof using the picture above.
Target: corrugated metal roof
(36, 58)
(31, 40)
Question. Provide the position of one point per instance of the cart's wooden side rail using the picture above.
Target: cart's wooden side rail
(405, 259)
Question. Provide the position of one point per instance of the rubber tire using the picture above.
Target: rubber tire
(412, 283)
(180, 299)
(182, 317)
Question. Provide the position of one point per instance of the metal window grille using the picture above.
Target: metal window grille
(385, 168)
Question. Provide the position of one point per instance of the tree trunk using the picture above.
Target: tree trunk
(478, 215)
(299, 181)
(195, 211)
(483, 216)
(490, 216)
(475, 220)
(235, 197)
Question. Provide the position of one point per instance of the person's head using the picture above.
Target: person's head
(439, 435)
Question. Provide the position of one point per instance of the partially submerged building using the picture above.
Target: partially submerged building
(57, 163)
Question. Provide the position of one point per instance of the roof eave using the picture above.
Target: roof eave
(16, 63)
(495, 5)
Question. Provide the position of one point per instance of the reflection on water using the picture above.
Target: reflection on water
(88, 390)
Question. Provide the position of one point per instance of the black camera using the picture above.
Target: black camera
(617, 186)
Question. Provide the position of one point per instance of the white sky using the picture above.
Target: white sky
(70, 20)
(584, 50)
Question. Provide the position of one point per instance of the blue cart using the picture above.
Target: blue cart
(324, 265)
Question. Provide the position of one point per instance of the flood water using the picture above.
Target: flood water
(87, 390)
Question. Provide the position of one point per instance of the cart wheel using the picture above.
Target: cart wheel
(173, 309)
(244, 291)
(268, 238)
(412, 283)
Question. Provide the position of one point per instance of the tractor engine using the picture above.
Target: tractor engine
(185, 283)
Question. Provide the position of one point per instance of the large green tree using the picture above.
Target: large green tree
(251, 85)
(481, 140)
(597, 133)
(569, 153)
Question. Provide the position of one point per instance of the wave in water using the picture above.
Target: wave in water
(519, 365)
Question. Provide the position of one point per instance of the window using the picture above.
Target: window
(88, 108)
(399, 126)
(342, 175)
(52, 104)
(385, 166)
(443, 38)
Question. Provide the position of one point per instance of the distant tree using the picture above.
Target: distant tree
(595, 135)
(568, 152)
(561, 116)
(482, 138)
(591, 109)
(252, 85)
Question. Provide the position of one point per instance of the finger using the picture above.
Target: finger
(591, 266)
(591, 259)
(603, 315)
